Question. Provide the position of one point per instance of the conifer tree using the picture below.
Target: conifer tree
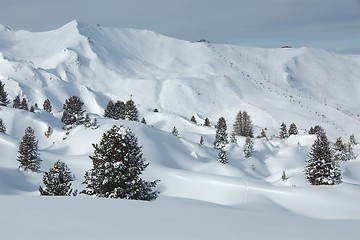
(24, 105)
(220, 135)
(193, 119)
(238, 125)
(120, 110)
(207, 122)
(4, 101)
(131, 112)
(201, 141)
(283, 131)
(233, 138)
(73, 112)
(57, 181)
(2, 126)
(222, 156)
(321, 168)
(117, 166)
(293, 129)
(248, 147)
(353, 140)
(143, 121)
(29, 155)
(340, 152)
(47, 105)
(262, 134)
(110, 110)
(242, 125)
(17, 102)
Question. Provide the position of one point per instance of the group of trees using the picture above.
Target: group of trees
(120, 110)
(284, 133)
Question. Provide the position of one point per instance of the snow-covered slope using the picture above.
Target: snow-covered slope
(181, 79)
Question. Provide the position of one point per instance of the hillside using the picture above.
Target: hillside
(306, 86)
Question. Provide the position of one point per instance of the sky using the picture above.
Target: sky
(333, 25)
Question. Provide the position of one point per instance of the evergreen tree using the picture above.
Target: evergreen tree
(143, 121)
(110, 110)
(207, 122)
(242, 125)
(283, 131)
(17, 102)
(117, 166)
(24, 105)
(2, 126)
(73, 112)
(293, 129)
(262, 134)
(120, 110)
(220, 135)
(131, 112)
(47, 105)
(316, 130)
(193, 119)
(175, 131)
(222, 156)
(57, 181)
(32, 109)
(340, 152)
(248, 147)
(4, 101)
(321, 168)
(233, 138)
(28, 150)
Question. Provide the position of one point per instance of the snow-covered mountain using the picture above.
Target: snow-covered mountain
(304, 86)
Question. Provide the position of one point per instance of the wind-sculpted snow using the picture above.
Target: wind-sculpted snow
(181, 79)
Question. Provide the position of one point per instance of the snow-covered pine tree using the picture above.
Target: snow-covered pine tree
(292, 129)
(29, 155)
(238, 125)
(207, 122)
(47, 105)
(73, 112)
(321, 168)
(17, 102)
(283, 131)
(242, 125)
(117, 166)
(233, 138)
(222, 156)
(57, 181)
(4, 101)
(340, 152)
(131, 112)
(248, 147)
(2, 126)
(220, 135)
(353, 140)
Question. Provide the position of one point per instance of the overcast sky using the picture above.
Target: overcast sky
(329, 24)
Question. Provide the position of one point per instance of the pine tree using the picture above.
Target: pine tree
(248, 147)
(57, 181)
(316, 130)
(24, 105)
(340, 152)
(207, 122)
(242, 125)
(222, 156)
(233, 138)
(220, 135)
(353, 140)
(109, 110)
(143, 121)
(120, 110)
(73, 112)
(17, 102)
(131, 112)
(262, 134)
(175, 132)
(117, 166)
(193, 119)
(283, 131)
(4, 101)
(2, 126)
(47, 105)
(293, 129)
(321, 168)
(28, 150)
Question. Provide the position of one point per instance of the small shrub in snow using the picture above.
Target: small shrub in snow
(57, 181)
(175, 132)
(201, 141)
(117, 166)
(353, 140)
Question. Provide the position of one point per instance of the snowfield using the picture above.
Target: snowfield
(199, 197)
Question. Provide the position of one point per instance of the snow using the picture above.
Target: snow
(199, 197)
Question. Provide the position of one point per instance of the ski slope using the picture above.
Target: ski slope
(200, 198)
